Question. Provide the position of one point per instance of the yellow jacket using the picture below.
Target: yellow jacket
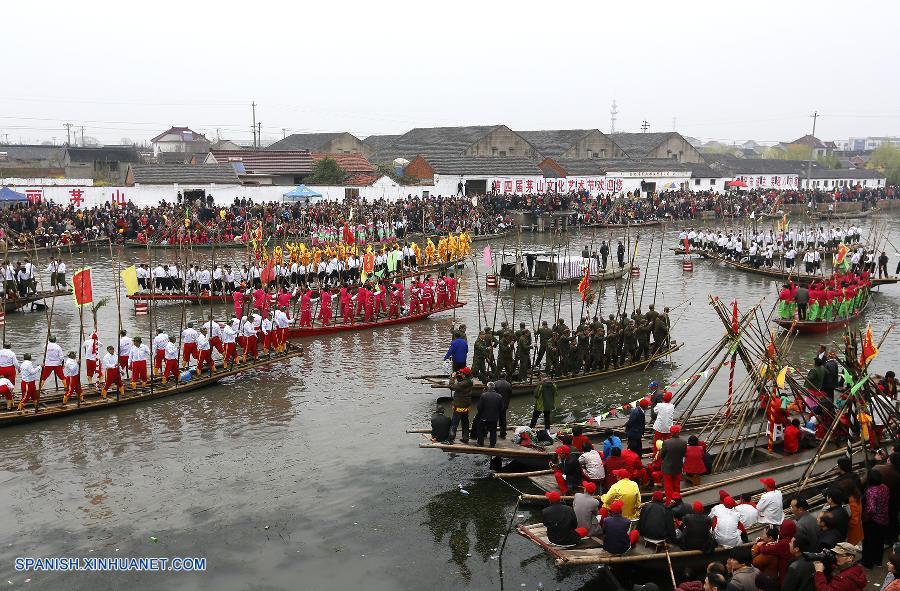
(628, 492)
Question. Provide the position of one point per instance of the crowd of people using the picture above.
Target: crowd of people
(839, 296)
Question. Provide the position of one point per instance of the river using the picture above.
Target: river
(301, 476)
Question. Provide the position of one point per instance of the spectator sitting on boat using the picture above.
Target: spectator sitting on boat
(440, 426)
(626, 491)
(610, 440)
(616, 525)
(656, 521)
(747, 510)
(694, 466)
(726, 523)
(592, 465)
(561, 522)
(586, 507)
(772, 553)
(614, 462)
(770, 504)
(579, 439)
(695, 530)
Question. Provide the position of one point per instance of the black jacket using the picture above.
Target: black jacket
(672, 454)
(656, 522)
(637, 423)
(462, 393)
(696, 533)
(799, 576)
(440, 427)
(560, 522)
(490, 406)
(505, 390)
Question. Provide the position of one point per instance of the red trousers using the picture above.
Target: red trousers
(5, 392)
(216, 343)
(657, 436)
(73, 385)
(280, 336)
(123, 361)
(671, 484)
(306, 317)
(93, 368)
(29, 392)
(51, 369)
(204, 359)
(267, 340)
(230, 352)
(9, 372)
(250, 347)
(113, 377)
(394, 311)
(441, 300)
(190, 351)
(159, 359)
(325, 316)
(139, 371)
(171, 369)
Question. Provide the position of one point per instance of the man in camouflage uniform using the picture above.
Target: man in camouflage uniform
(643, 338)
(505, 353)
(552, 367)
(565, 352)
(583, 348)
(598, 361)
(543, 333)
(612, 342)
(523, 351)
(479, 357)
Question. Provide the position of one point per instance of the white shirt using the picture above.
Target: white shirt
(248, 330)
(171, 350)
(228, 334)
(4, 383)
(213, 329)
(592, 463)
(160, 341)
(54, 356)
(138, 353)
(8, 358)
(88, 347)
(125, 344)
(29, 371)
(110, 361)
(770, 507)
(189, 335)
(665, 413)
(726, 531)
(281, 319)
(266, 326)
(202, 342)
(71, 368)
(749, 514)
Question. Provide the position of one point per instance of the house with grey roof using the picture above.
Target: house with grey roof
(183, 175)
(472, 140)
(101, 163)
(669, 144)
(572, 143)
(340, 142)
(180, 139)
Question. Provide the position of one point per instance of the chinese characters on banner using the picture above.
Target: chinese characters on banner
(34, 195)
(117, 198)
(76, 197)
(774, 181)
(523, 186)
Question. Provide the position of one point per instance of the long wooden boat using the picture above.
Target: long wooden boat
(297, 332)
(642, 224)
(15, 251)
(51, 403)
(12, 304)
(819, 326)
(184, 246)
(528, 282)
(843, 215)
(527, 387)
(796, 277)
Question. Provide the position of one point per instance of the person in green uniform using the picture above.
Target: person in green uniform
(479, 357)
(629, 343)
(612, 343)
(583, 348)
(552, 367)
(523, 351)
(651, 314)
(643, 338)
(598, 336)
(560, 326)
(489, 352)
(565, 352)
(543, 333)
(544, 402)
(505, 353)
(660, 333)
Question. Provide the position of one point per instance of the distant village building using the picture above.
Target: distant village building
(670, 145)
(266, 167)
(335, 143)
(180, 139)
(101, 163)
(572, 143)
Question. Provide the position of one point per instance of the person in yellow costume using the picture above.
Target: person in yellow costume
(625, 490)
(429, 253)
(466, 241)
(418, 255)
(442, 249)
(452, 246)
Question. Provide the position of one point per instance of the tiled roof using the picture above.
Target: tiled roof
(433, 141)
(729, 165)
(638, 145)
(267, 162)
(360, 180)
(25, 153)
(175, 157)
(810, 141)
(179, 131)
(351, 163)
(553, 142)
(103, 154)
(483, 165)
(313, 142)
(379, 142)
(820, 172)
(203, 174)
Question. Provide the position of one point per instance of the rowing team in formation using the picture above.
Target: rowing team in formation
(131, 360)
(807, 237)
(19, 279)
(837, 297)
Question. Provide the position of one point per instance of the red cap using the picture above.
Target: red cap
(621, 473)
(667, 397)
(563, 450)
(698, 507)
(675, 495)
(552, 496)
(589, 487)
(675, 429)
(768, 482)
(657, 495)
(728, 502)
(644, 403)
(722, 494)
(616, 506)
(581, 531)
(466, 371)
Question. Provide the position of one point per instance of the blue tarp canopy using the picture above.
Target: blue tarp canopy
(301, 192)
(7, 195)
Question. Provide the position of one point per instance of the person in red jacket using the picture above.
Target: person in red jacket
(792, 437)
(694, 466)
(848, 574)
(773, 556)
(614, 462)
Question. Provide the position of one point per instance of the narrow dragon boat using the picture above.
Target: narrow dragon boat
(820, 326)
(185, 246)
(69, 248)
(13, 304)
(51, 407)
(846, 215)
(297, 332)
(642, 224)
(796, 277)
(527, 387)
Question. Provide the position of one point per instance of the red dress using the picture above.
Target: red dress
(693, 460)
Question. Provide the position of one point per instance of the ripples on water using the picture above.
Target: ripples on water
(316, 449)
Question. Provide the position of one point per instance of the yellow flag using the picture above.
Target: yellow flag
(129, 280)
(782, 376)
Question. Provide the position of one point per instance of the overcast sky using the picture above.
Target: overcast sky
(720, 70)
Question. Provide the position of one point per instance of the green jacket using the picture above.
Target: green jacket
(545, 402)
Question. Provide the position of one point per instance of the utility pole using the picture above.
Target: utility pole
(814, 116)
(674, 122)
(259, 134)
(612, 117)
(644, 126)
(253, 104)
(283, 133)
(82, 136)
(68, 127)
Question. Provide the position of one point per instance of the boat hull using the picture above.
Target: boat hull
(299, 333)
(798, 278)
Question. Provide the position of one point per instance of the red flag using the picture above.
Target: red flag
(687, 245)
(869, 350)
(83, 287)
(734, 316)
(268, 272)
(585, 286)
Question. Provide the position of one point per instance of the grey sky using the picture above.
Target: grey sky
(724, 70)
